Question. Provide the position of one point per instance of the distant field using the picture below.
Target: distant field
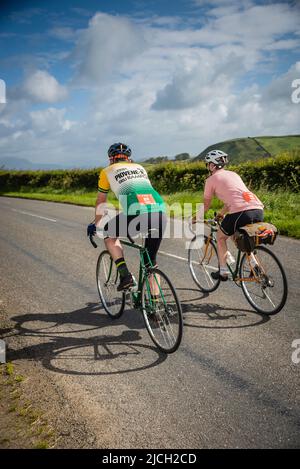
(277, 145)
(243, 149)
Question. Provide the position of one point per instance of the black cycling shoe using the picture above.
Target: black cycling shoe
(126, 283)
(217, 276)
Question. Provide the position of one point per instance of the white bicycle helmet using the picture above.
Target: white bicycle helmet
(217, 157)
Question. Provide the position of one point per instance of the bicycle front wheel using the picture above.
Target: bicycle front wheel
(264, 286)
(162, 311)
(203, 260)
(107, 280)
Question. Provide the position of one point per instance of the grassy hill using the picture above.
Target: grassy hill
(254, 148)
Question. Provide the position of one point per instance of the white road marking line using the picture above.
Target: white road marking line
(33, 215)
(172, 255)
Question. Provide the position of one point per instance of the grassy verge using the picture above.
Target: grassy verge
(281, 207)
(78, 197)
(22, 424)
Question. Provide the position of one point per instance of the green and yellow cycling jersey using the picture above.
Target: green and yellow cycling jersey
(132, 187)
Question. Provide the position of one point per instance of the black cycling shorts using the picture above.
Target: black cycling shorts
(123, 225)
(233, 221)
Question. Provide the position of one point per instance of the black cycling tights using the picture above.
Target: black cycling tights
(130, 226)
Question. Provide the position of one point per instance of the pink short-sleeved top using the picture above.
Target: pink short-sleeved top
(230, 189)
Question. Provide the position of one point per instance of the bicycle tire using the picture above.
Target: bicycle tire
(115, 307)
(160, 318)
(203, 280)
(266, 282)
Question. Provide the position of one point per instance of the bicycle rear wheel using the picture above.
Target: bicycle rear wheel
(267, 292)
(107, 280)
(162, 311)
(203, 260)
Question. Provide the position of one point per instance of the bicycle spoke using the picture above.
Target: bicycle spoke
(203, 260)
(164, 333)
(112, 300)
(267, 292)
(273, 304)
(162, 314)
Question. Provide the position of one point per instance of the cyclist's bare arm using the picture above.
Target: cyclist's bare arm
(199, 215)
(100, 207)
(223, 211)
(220, 214)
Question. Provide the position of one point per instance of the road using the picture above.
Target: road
(231, 384)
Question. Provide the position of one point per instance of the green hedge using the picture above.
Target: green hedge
(58, 179)
(269, 173)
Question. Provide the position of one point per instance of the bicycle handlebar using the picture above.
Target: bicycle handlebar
(93, 242)
(212, 222)
(96, 245)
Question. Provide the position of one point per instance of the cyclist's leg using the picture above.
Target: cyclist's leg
(157, 222)
(248, 217)
(222, 248)
(112, 230)
(226, 230)
(231, 223)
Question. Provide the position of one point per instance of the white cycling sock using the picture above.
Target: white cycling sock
(224, 271)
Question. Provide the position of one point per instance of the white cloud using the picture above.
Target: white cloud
(42, 87)
(25, 16)
(163, 87)
(254, 27)
(106, 46)
(50, 120)
(210, 76)
(280, 88)
(284, 44)
(42, 136)
(65, 33)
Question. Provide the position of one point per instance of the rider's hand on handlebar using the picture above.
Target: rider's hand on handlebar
(91, 229)
(219, 217)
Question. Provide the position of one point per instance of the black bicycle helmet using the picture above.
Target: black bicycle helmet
(119, 149)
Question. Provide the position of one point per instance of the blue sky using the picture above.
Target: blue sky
(165, 77)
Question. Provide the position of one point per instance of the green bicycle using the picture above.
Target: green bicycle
(154, 295)
(259, 273)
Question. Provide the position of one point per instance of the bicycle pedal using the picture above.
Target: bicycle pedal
(133, 288)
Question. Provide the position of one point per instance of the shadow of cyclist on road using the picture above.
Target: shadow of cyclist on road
(213, 316)
(63, 348)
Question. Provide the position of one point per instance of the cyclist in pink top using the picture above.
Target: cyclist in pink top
(241, 206)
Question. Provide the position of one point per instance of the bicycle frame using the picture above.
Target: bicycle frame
(143, 271)
(250, 266)
(234, 272)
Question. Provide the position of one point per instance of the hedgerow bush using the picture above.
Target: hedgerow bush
(271, 173)
(167, 178)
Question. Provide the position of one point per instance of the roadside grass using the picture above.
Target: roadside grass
(281, 206)
(22, 425)
(78, 197)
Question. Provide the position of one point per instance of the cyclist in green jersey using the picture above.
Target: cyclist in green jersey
(143, 209)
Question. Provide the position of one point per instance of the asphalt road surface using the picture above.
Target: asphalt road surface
(231, 384)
